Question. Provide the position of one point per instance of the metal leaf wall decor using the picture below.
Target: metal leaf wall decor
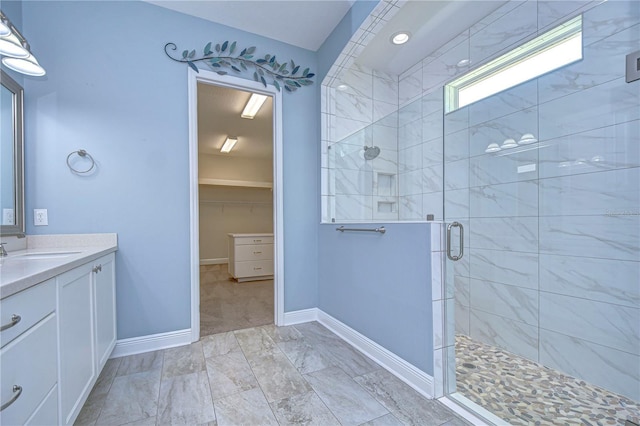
(286, 74)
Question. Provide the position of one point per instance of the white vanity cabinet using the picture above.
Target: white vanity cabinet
(251, 256)
(86, 330)
(29, 356)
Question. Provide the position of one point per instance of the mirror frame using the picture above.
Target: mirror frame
(18, 156)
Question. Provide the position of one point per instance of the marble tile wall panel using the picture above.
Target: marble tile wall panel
(456, 203)
(608, 192)
(433, 102)
(384, 137)
(354, 106)
(411, 183)
(410, 85)
(343, 127)
(410, 135)
(494, 16)
(604, 280)
(431, 179)
(504, 32)
(457, 147)
(500, 167)
(354, 182)
(513, 234)
(411, 207)
(390, 120)
(386, 161)
(410, 159)
(353, 207)
(615, 326)
(513, 268)
(461, 290)
(383, 112)
(518, 98)
(432, 204)
(514, 336)
(604, 105)
(360, 82)
(456, 174)
(385, 88)
(461, 314)
(410, 113)
(512, 126)
(608, 18)
(611, 147)
(505, 200)
(602, 62)
(516, 303)
(456, 120)
(432, 152)
(610, 237)
(616, 370)
(444, 68)
(432, 126)
(347, 156)
(554, 12)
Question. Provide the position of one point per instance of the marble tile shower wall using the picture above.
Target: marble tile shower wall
(363, 114)
(553, 228)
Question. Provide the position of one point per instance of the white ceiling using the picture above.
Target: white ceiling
(219, 111)
(302, 23)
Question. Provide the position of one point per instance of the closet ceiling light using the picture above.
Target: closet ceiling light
(400, 37)
(228, 145)
(253, 106)
(28, 65)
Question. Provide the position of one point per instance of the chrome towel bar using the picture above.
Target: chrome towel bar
(380, 230)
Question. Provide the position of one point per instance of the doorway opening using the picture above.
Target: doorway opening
(236, 205)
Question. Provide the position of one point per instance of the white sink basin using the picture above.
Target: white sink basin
(47, 255)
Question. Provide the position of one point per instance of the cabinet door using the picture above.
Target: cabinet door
(105, 307)
(76, 334)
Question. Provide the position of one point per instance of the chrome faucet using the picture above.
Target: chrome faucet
(3, 252)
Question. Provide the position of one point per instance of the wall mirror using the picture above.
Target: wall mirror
(11, 157)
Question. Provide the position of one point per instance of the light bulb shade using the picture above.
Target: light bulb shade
(10, 46)
(28, 65)
(5, 30)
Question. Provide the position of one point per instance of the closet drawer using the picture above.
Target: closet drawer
(254, 252)
(31, 305)
(30, 361)
(254, 269)
(241, 241)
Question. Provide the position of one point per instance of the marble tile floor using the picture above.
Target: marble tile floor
(267, 375)
(524, 392)
(226, 305)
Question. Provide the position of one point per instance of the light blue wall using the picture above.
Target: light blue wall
(110, 89)
(380, 285)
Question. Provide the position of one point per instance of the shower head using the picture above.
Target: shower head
(371, 152)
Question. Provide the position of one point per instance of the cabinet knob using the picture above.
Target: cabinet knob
(17, 391)
(256, 269)
(14, 320)
(97, 269)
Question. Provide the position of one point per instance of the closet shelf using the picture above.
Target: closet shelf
(242, 183)
(252, 203)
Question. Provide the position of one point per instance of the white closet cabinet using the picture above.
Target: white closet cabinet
(86, 330)
(251, 256)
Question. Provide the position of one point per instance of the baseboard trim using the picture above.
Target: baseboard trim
(408, 373)
(215, 261)
(301, 316)
(153, 342)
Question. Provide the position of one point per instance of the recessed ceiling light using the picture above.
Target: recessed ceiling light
(253, 106)
(228, 144)
(400, 37)
(342, 87)
(463, 62)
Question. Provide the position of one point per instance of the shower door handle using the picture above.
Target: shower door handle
(449, 227)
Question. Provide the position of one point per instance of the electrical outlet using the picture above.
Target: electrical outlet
(40, 217)
(8, 218)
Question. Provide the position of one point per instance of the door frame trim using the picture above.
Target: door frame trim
(209, 77)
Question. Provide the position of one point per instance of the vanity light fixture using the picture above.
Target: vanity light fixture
(16, 51)
(253, 106)
(228, 144)
(401, 37)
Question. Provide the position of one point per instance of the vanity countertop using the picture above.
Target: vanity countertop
(47, 256)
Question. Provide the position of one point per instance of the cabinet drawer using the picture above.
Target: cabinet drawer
(47, 412)
(31, 305)
(254, 269)
(241, 241)
(29, 361)
(254, 252)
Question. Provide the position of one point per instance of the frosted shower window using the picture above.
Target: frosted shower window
(554, 49)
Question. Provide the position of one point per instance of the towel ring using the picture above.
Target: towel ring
(84, 154)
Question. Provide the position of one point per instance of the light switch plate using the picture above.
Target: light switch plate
(633, 67)
(40, 217)
(8, 217)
